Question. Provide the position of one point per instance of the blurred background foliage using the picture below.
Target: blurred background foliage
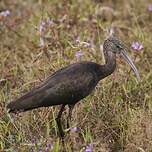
(38, 37)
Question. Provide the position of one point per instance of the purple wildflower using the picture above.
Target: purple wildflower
(42, 27)
(78, 40)
(34, 140)
(137, 46)
(50, 22)
(74, 129)
(89, 148)
(5, 13)
(79, 54)
(40, 150)
(49, 147)
(150, 7)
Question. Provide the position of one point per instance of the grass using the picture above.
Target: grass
(117, 116)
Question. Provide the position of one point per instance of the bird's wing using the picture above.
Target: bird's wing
(73, 80)
(68, 88)
(65, 86)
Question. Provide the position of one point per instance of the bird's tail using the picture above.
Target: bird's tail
(27, 102)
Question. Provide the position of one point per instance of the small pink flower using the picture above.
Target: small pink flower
(42, 26)
(75, 129)
(50, 22)
(150, 7)
(89, 148)
(137, 46)
(49, 147)
(78, 40)
(5, 13)
(79, 54)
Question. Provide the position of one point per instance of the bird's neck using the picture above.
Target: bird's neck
(109, 66)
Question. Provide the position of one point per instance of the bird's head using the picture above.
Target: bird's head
(112, 45)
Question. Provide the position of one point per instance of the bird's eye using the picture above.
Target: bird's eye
(119, 46)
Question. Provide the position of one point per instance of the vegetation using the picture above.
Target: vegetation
(39, 37)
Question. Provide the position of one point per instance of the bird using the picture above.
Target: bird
(72, 83)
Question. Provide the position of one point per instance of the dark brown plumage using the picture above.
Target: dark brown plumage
(72, 83)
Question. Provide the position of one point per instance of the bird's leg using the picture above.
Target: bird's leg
(69, 114)
(58, 121)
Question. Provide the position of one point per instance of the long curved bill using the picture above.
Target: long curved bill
(129, 61)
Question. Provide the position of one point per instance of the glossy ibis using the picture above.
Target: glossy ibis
(72, 83)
